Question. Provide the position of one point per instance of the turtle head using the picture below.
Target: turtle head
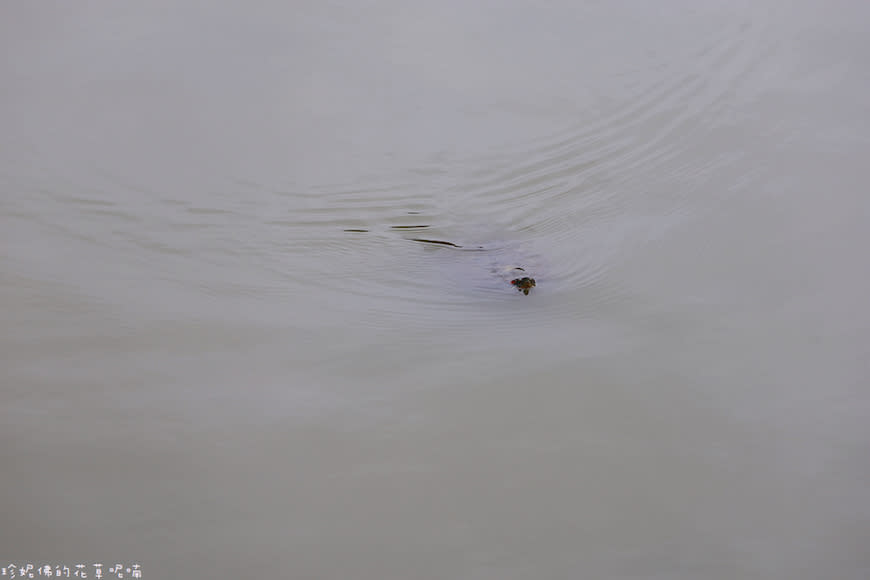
(524, 284)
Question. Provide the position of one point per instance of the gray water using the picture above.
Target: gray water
(204, 373)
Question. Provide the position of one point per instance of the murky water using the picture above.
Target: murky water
(204, 372)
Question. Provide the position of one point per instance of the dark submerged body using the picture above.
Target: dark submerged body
(515, 275)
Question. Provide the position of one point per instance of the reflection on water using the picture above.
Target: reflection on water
(256, 299)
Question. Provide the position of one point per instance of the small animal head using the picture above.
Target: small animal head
(524, 284)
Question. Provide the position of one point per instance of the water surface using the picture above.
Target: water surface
(203, 371)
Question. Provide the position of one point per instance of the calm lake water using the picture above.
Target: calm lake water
(205, 373)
